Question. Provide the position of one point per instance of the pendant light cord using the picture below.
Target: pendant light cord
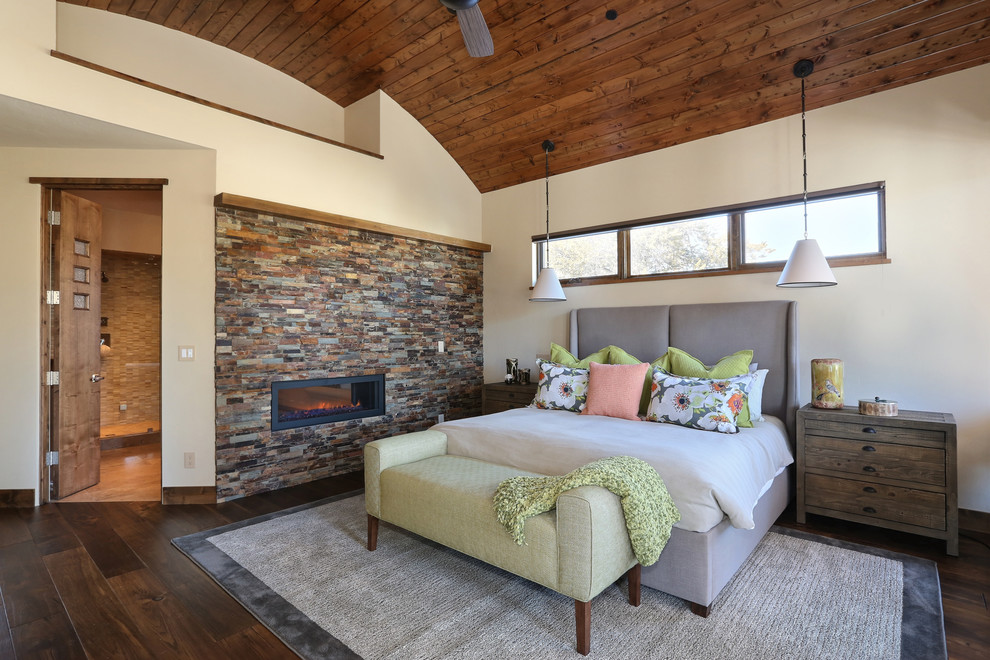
(548, 146)
(804, 159)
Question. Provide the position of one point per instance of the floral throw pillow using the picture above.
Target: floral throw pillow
(560, 387)
(710, 404)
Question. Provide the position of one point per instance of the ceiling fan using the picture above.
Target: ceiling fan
(473, 27)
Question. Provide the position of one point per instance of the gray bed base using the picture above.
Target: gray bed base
(696, 566)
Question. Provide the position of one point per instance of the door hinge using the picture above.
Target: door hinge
(51, 378)
(51, 458)
(53, 297)
(54, 218)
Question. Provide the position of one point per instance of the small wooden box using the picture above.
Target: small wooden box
(878, 407)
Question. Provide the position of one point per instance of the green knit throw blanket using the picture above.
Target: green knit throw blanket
(648, 508)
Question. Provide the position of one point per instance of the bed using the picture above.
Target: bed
(704, 553)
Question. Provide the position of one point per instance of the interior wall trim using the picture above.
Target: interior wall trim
(230, 201)
(209, 104)
(189, 495)
(16, 498)
(91, 183)
(974, 521)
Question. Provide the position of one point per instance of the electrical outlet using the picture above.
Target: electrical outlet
(441, 346)
(123, 406)
(440, 418)
(189, 460)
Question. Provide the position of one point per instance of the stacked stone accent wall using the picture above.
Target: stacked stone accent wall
(299, 299)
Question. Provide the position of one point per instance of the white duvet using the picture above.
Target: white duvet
(709, 475)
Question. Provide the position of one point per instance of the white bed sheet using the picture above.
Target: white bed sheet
(708, 475)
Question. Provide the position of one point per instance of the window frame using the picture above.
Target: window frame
(734, 235)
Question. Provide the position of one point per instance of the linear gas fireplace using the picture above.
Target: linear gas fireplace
(298, 403)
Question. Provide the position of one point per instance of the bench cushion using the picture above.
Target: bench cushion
(462, 489)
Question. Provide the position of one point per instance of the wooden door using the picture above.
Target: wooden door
(75, 408)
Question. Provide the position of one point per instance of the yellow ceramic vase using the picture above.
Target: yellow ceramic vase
(826, 383)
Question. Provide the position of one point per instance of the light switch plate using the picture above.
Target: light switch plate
(187, 353)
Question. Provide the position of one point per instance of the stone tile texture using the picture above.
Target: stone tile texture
(299, 299)
(131, 304)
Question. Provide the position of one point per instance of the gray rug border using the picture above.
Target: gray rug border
(922, 626)
(296, 630)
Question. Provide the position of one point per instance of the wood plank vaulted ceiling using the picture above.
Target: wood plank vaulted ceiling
(659, 74)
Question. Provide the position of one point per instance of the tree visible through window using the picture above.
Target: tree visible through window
(756, 237)
(585, 256)
(677, 247)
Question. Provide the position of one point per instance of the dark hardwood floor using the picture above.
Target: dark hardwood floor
(102, 580)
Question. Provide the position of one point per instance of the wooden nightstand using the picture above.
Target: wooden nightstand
(893, 472)
(496, 397)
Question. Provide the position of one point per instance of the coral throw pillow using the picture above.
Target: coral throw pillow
(614, 390)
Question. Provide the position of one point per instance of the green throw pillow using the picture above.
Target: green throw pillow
(682, 363)
(618, 355)
(562, 356)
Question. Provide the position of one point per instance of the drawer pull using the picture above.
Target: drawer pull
(869, 489)
(869, 429)
(869, 468)
(869, 509)
(869, 448)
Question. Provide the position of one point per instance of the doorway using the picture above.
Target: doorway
(122, 450)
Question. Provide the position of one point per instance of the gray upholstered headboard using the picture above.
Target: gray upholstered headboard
(708, 331)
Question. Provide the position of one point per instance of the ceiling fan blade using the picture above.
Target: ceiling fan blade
(477, 38)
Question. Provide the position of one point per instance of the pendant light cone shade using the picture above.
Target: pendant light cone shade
(806, 267)
(547, 287)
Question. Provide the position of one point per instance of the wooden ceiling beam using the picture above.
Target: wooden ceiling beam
(728, 75)
(687, 59)
(731, 115)
(298, 47)
(658, 75)
(269, 12)
(240, 20)
(373, 56)
(663, 32)
(529, 29)
(218, 19)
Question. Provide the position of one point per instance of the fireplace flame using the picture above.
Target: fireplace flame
(336, 405)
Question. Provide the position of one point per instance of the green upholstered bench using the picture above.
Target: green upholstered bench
(577, 550)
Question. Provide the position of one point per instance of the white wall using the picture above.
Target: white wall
(416, 186)
(187, 301)
(252, 159)
(915, 330)
(135, 47)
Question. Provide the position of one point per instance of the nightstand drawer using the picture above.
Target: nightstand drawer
(522, 395)
(875, 430)
(497, 397)
(904, 505)
(866, 457)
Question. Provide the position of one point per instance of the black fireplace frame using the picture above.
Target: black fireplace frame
(377, 381)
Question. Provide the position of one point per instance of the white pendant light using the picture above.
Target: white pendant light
(547, 288)
(807, 266)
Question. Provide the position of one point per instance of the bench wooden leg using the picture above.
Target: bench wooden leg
(701, 610)
(635, 575)
(372, 532)
(582, 619)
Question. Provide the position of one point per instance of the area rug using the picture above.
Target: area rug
(306, 574)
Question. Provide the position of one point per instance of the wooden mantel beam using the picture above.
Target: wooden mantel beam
(228, 200)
